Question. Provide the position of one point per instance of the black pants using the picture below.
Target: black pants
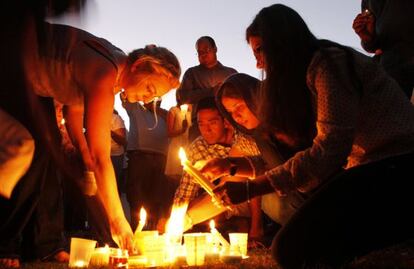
(362, 209)
(32, 219)
(145, 183)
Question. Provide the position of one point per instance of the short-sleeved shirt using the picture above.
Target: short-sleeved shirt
(198, 82)
(116, 123)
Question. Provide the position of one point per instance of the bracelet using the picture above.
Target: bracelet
(251, 166)
(248, 190)
(233, 167)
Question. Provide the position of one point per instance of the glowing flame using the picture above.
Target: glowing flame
(175, 225)
(142, 215)
(184, 108)
(182, 155)
(62, 121)
(212, 224)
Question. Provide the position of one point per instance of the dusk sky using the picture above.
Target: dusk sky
(131, 24)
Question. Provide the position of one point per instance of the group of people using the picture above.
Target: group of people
(323, 144)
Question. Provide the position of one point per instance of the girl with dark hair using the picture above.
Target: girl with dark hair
(351, 130)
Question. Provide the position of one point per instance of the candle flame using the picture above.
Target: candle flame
(212, 224)
(184, 107)
(175, 225)
(142, 215)
(182, 155)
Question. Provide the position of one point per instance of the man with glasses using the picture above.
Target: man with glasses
(202, 80)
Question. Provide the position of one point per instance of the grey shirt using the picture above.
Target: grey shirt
(198, 82)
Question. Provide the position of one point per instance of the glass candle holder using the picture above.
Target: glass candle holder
(239, 240)
(154, 250)
(100, 256)
(139, 239)
(195, 245)
(80, 252)
(118, 258)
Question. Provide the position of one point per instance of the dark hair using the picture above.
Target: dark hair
(209, 39)
(288, 46)
(240, 86)
(206, 103)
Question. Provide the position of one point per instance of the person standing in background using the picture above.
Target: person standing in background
(118, 146)
(178, 120)
(146, 152)
(385, 28)
(202, 80)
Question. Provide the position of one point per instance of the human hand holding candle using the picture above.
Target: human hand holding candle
(196, 175)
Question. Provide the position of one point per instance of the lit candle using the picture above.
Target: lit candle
(142, 220)
(218, 235)
(196, 175)
(80, 264)
(118, 258)
(184, 109)
(100, 256)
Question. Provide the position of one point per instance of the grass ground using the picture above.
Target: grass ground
(258, 259)
(396, 257)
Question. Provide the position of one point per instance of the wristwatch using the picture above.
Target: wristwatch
(233, 167)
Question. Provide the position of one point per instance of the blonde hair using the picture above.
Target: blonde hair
(154, 59)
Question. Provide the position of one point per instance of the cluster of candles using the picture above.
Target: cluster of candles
(161, 250)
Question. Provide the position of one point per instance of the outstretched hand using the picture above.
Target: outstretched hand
(232, 192)
(122, 234)
(215, 168)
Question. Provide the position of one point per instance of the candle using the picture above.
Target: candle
(142, 220)
(218, 235)
(212, 251)
(100, 256)
(118, 258)
(198, 177)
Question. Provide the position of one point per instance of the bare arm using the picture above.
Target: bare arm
(97, 77)
(74, 124)
(119, 136)
(171, 119)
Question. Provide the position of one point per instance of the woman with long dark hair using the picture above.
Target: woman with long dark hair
(351, 130)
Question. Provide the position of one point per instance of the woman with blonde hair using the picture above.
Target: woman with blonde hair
(84, 73)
